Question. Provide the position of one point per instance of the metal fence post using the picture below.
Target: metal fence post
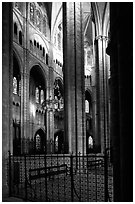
(25, 177)
(106, 175)
(45, 178)
(9, 174)
(71, 173)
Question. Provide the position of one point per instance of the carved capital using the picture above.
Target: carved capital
(101, 37)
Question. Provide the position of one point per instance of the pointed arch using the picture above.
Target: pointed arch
(40, 141)
(96, 18)
(106, 20)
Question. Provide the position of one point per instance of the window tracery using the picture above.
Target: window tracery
(58, 96)
(38, 19)
(45, 25)
(39, 95)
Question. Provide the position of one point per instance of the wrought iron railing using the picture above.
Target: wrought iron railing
(61, 178)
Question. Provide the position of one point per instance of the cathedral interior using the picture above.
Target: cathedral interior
(67, 83)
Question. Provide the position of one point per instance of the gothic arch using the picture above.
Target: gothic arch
(106, 20)
(37, 37)
(56, 19)
(41, 71)
(60, 84)
(60, 79)
(18, 58)
(17, 20)
(37, 80)
(40, 141)
(96, 18)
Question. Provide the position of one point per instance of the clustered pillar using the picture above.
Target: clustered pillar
(74, 83)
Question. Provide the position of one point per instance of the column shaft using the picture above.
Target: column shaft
(74, 77)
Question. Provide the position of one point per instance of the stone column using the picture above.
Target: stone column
(96, 110)
(7, 84)
(74, 84)
(101, 123)
(51, 97)
(25, 92)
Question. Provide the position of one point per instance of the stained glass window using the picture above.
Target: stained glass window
(37, 95)
(90, 142)
(14, 85)
(42, 96)
(86, 106)
(38, 142)
(56, 143)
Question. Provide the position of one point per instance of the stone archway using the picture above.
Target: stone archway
(40, 142)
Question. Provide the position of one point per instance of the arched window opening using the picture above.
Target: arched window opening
(40, 142)
(14, 85)
(58, 142)
(58, 95)
(47, 59)
(35, 43)
(42, 96)
(90, 80)
(43, 51)
(38, 45)
(87, 109)
(90, 142)
(15, 28)
(31, 45)
(20, 37)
